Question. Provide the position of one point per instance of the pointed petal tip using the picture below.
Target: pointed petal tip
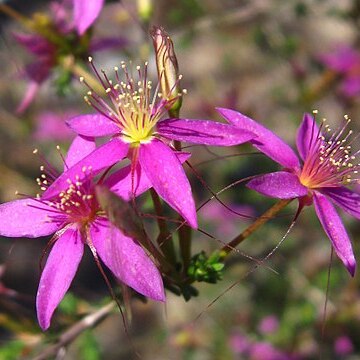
(58, 273)
(351, 266)
(165, 172)
(44, 323)
(221, 109)
(162, 298)
(192, 222)
(158, 296)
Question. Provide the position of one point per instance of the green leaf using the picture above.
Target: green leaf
(218, 267)
(89, 347)
(11, 350)
(63, 82)
(204, 268)
(69, 304)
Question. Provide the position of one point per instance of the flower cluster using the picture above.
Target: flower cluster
(141, 132)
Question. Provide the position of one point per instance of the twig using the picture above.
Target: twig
(264, 218)
(75, 330)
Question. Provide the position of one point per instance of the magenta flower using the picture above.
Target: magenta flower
(68, 208)
(65, 40)
(38, 71)
(239, 343)
(328, 165)
(345, 60)
(132, 115)
(343, 346)
(269, 324)
(265, 351)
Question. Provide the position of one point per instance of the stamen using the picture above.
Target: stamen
(131, 103)
(62, 156)
(329, 162)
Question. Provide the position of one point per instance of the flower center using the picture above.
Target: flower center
(131, 102)
(76, 203)
(330, 161)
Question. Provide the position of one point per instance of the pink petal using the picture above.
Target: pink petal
(34, 44)
(85, 13)
(81, 147)
(93, 125)
(127, 260)
(281, 185)
(348, 200)
(307, 134)
(29, 96)
(266, 141)
(59, 13)
(120, 182)
(26, 218)
(58, 274)
(107, 43)
(203, 132)
(342, 59)
(335, 230)
(39, 71)
(103, 157)
(168, 178)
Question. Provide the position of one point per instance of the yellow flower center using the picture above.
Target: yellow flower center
(134, 106)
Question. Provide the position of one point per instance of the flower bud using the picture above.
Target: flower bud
(167, 68)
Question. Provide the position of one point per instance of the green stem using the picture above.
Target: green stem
(319, 87)
(175, 113)
(17, 16)
(264, 218)
(164, 239)
(185, 235)
(45, 30)
(69, 63)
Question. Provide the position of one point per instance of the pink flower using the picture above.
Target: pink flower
(65, 40)
(345, 60)
(343, 346)
(265, 351)
(132, 114)
(239, 344)
(39, 70)
(68, 207)
(269, 324)
(328, 165)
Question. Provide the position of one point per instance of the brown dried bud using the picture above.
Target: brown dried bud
(167, 68)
